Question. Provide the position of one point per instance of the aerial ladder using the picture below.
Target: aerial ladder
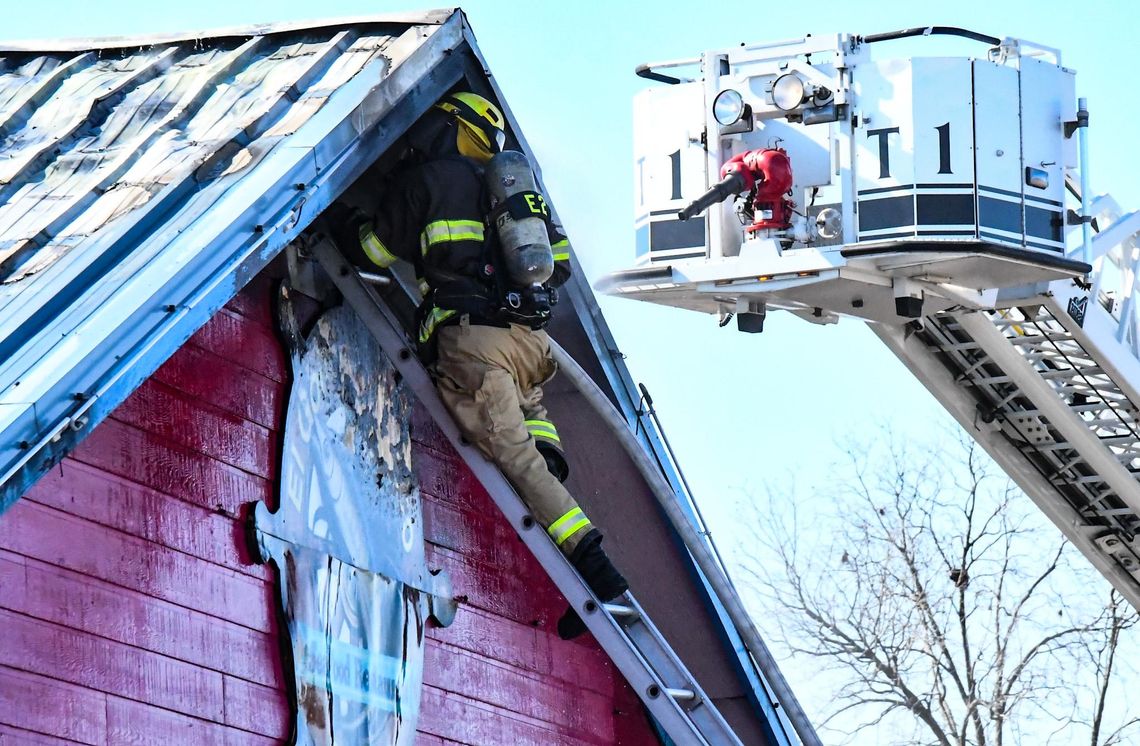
(945, 202)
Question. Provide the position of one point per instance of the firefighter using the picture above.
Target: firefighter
(480, 335)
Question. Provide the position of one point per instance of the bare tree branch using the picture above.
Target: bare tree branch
(931, 606)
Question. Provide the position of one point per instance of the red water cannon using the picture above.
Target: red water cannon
(766, 173)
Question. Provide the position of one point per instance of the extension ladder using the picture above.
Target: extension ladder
(621, 627)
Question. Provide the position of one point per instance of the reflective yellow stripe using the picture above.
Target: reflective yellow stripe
(567, 526)
(453, 230)
(434, 318)
(375, 248)
(442, 231)
(573, 530)
(563, 244)
(562, 257)
(544, 429)
(542, 423)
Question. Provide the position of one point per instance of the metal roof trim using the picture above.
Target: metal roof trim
(262, 210)
(436, 17)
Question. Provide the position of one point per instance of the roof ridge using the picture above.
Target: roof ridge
(421, 18)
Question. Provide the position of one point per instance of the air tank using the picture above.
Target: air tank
(520, 216)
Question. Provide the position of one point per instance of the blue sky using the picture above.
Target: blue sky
(741, 410)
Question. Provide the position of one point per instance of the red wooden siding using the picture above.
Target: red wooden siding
(130, 612)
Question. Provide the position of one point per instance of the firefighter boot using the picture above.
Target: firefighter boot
(599, 573)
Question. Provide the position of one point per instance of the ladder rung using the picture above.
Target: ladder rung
(1066, 465)
(1038, 339)
(1058, 477)
(374, 279)
(1058, 446)
(1079, 480)
(1007, 399)
(992, 380)
(1049, 375)
(1035, 355)
(1087, 370)
(1075, 388)
(1074, 407)
(968, 372)
(681, 695)
(959, 347)
(1116, 512)
(1111, 422)
(619, 610)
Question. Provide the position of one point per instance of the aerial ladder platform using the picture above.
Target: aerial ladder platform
(945, 202)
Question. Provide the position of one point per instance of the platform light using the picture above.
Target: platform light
(728, 107)
(825, 113)
(788, 92)
(829, 223)
(1036, 177)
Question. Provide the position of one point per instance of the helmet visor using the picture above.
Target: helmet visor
(473, 142)
(480, 117)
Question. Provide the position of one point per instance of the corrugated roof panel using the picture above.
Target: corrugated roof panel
(152, 118)
(140, 186)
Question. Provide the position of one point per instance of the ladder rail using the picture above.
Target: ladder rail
(631, 642)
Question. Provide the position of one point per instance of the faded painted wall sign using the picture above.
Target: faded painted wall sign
(348, 539)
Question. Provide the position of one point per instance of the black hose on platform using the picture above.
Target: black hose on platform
(647, 72)
(931, 31)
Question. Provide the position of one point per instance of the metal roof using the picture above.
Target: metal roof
(143, 182)
(121, 163)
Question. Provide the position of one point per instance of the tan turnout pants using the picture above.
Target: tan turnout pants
(491, 380)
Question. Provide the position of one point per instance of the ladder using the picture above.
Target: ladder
(625, 632)
(1048, 385)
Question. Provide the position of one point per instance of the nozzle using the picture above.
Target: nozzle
(733, 183)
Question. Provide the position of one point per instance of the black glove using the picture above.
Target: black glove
(343, 224)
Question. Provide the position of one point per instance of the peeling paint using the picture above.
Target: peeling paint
(348, 539)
